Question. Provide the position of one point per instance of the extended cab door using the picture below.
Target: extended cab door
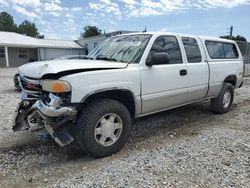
(197, 68)
(164, 86)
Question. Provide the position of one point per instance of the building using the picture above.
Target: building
(92, 42)
(17, 49)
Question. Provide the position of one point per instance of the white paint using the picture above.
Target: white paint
(38, 69)
(157, 87)
(6, 56)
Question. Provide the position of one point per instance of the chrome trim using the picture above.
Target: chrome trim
(40, 116)
(37, 82)
(29, 80)
(54, 101)
(24, 96)
(53, 109)
(53, 112)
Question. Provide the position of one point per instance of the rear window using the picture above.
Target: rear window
(230, 50)
(192, 49)
(221, 50)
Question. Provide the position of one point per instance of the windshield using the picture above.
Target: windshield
(127, 49)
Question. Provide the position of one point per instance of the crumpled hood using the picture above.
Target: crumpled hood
(41, 68)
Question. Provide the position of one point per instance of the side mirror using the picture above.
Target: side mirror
(160, 58)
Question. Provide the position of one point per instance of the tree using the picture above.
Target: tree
(89, 31)
(28, 28)
(240, 38)
(7, 22)
(237, 38)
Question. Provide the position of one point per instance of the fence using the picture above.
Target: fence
(245, 50)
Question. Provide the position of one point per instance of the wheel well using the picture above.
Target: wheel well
(232, 79)
(124, 96)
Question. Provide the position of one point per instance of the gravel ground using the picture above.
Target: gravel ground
(184, 147)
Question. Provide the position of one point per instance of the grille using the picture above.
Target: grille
(30, 85)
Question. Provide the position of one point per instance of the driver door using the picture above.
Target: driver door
(164, 86)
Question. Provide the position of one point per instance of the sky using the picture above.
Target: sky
(65, 19)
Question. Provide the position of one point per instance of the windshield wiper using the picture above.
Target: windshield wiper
(105, 58)
(86, 57)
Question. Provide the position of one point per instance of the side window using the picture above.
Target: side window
(2, 53)
(192, 50)
(23, 54)
(168, 44)
(221, 50)
(215, 49)
(230, 51)
(86, 49)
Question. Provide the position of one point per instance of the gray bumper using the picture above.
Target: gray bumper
(51, 111)
(33, 114)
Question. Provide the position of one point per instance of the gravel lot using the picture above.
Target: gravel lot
(185, 147)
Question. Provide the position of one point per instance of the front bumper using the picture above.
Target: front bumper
(33, 114)
(16, 82)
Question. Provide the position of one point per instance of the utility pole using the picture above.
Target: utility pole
(231, 32)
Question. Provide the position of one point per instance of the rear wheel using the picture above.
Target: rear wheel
(103, 127)
(224, 101)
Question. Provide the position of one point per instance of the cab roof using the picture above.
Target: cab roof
(181, 34)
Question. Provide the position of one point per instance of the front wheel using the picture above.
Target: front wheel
(224, 101)
(103, 127)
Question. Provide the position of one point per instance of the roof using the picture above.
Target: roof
(12, 39)
(180, 34)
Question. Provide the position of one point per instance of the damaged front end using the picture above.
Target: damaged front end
(40, 109)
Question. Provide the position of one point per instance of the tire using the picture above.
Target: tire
(72, 130)
(221, 105)
(108, 116)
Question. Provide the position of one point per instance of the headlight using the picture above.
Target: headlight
(56, 86)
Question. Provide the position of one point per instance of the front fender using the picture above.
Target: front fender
(86, 83)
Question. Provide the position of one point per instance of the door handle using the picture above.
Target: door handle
(183, 72)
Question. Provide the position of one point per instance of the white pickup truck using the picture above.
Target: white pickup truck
(129, 76)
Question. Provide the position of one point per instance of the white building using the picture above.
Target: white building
(17, 49)
(92, 42)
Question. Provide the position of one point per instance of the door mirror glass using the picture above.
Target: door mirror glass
(159, 58)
